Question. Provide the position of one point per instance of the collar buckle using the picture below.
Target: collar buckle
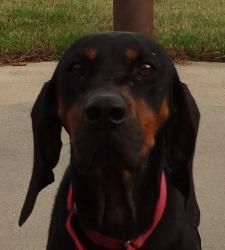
(130, 244)
(127, 243)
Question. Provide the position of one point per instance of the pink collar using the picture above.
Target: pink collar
(111, 243)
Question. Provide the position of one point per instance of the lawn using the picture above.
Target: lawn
(42, 29)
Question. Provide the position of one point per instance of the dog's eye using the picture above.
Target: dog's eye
(145, 70)
(78, 70)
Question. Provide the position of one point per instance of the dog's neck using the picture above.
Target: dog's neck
(107, 242)
(117, 203)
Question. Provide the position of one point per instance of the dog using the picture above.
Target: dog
(132, 126)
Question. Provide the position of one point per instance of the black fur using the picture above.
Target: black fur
(102, 203)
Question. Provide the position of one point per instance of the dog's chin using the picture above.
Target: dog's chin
(106, 156)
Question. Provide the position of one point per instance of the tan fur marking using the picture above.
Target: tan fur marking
(163, 112)
(151, 122)
(69, 118)
(62, 113)
(126, 175)
(130, 101)
(73, 116)
(91, 53)
(131, 54)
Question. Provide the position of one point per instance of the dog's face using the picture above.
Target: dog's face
(128, 116)
(113, 99)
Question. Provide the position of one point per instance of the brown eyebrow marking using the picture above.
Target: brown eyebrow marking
(90, 53)
(131, 54)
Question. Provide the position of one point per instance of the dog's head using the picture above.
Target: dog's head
(113, 97)
(119, 98)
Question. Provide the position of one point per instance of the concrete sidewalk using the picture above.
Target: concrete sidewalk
(19, 87)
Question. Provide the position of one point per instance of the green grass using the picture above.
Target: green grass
(42, 29)
(195, 28)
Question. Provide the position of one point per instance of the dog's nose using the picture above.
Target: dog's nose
(105, 108)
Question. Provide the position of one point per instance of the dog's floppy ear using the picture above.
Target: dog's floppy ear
(47, 145)
(181, 139)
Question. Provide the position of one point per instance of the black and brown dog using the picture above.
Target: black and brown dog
(132, 127)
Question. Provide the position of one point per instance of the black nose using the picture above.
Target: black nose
(105, 108)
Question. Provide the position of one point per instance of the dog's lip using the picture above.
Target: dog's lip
(102, 154)
(107, 147)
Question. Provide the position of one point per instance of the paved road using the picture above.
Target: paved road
(18, 88)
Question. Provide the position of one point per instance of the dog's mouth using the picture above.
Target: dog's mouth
(94, 149)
